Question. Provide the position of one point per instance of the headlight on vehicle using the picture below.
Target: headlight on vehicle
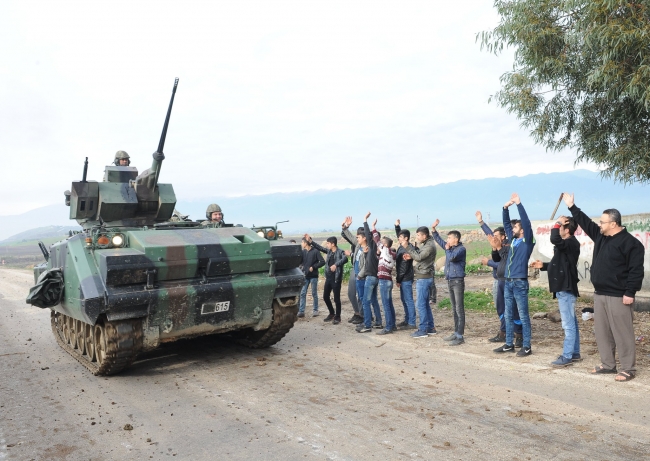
(261, 234)
(117, 240)
(270, 234)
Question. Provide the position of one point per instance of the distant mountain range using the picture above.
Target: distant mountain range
(452, 203)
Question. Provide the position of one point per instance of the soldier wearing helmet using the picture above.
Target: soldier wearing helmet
(122, 158)
(214, 215)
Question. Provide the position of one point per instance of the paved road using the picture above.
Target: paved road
(323, 393)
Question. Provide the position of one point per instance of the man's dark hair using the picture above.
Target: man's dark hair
(361, 231)
(572, 226)
(332, 240)
(405, 233)
(292, 241)
(614, 215)
(423, 230)
(515, 221)
(306, 242)
(456, 233)
(389, 242)
(500, 230)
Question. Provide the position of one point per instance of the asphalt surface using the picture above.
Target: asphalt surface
(322, 393)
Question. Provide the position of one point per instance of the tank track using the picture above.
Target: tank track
(284, 316)
(105, 348)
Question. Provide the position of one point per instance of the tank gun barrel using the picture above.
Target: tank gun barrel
(159, 156)
(85, 170)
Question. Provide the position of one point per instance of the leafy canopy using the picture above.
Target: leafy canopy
(580, 79)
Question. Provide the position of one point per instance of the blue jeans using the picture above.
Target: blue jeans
(360, 286)
(422, 292)
(314, 294)
(406, 295)
(370, 297)
(516, 290)
(567, 304)
(386, 291)
(501, 309)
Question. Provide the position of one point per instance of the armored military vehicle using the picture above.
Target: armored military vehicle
(132, 279)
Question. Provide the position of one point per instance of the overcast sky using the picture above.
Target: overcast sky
(273, 96)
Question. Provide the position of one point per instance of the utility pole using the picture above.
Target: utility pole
(417, 220)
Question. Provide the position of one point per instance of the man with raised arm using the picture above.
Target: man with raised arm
(498, 263)
(371, 270)
(455, 260)
(616, 274)
(404, 278)
(522, 242)
(354, 253)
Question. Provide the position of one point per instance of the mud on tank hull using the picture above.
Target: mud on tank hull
(165, 285)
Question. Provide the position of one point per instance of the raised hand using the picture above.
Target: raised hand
(515, 198)
(374, 225)
(367, 216)
(479, 216)
(563, 220)
(348, 221)
(434, 225)
(397, 222)
(568, 199)
(307, 237)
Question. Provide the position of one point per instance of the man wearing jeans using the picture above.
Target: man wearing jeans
(455, 274)
(354, 253)
(616, 274)
(311, 262)
(423, 268)
(371, 269)
(404, 278)
(520, 234)
(563, 283)
(385, 275)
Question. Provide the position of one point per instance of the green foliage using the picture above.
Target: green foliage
(639, 226)
(580, 79)
(474, 301)
(539, 292)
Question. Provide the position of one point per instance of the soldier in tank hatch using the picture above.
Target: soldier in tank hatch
(122, 158)
(214, 215)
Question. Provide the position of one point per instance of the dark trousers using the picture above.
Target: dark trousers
(457, 298)
(352, 295)
(330, 286)
(501, 309)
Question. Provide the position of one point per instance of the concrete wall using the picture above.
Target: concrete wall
(638, 225)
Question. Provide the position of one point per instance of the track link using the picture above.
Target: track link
(112, 346)
(284, 316)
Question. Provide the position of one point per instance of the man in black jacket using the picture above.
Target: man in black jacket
(334, 263)
(563, 283)
(404, 278)
(616, 274)
(311, 262)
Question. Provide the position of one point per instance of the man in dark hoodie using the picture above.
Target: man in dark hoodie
(334, 263)
(404, 278)
(616, 274)
(311, 262)
(563, 283)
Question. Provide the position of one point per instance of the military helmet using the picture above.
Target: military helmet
(119, 155)
(211, 209)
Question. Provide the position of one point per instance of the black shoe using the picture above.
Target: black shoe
(519, 341)
(384, 332)
(329, 318)
(505, 348)
(351, 319)
(408, 327)
(524, 351)
(364, 329)
(301, 314)
(336, 320)
(377, 325)
(357, 321)
(402, 324)
(456, 342)
(499, 338)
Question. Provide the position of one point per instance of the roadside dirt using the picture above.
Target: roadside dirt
(324, 392)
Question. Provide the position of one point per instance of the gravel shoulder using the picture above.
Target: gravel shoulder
(324, 392)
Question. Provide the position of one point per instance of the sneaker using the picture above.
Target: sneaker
(408, 327)
(576, 358)
(315, 314)
(456, 342)
(336, 320)
(505, 348)
(364, 329)
(301, 314)
(451, 337)
(561, 361)
(524, 351)
(360, 326)
(419, 334)
(499, 338)
(402, 324)
(329, 318)
(357, 321)
(352, 318)
(377, 325)
(393, 329)
(384, 332)
(432, 331)
(519, 341)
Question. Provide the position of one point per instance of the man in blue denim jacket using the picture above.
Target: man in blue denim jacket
(455, 260)
(522, 242)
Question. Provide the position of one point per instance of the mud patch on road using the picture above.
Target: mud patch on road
(527, 415)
